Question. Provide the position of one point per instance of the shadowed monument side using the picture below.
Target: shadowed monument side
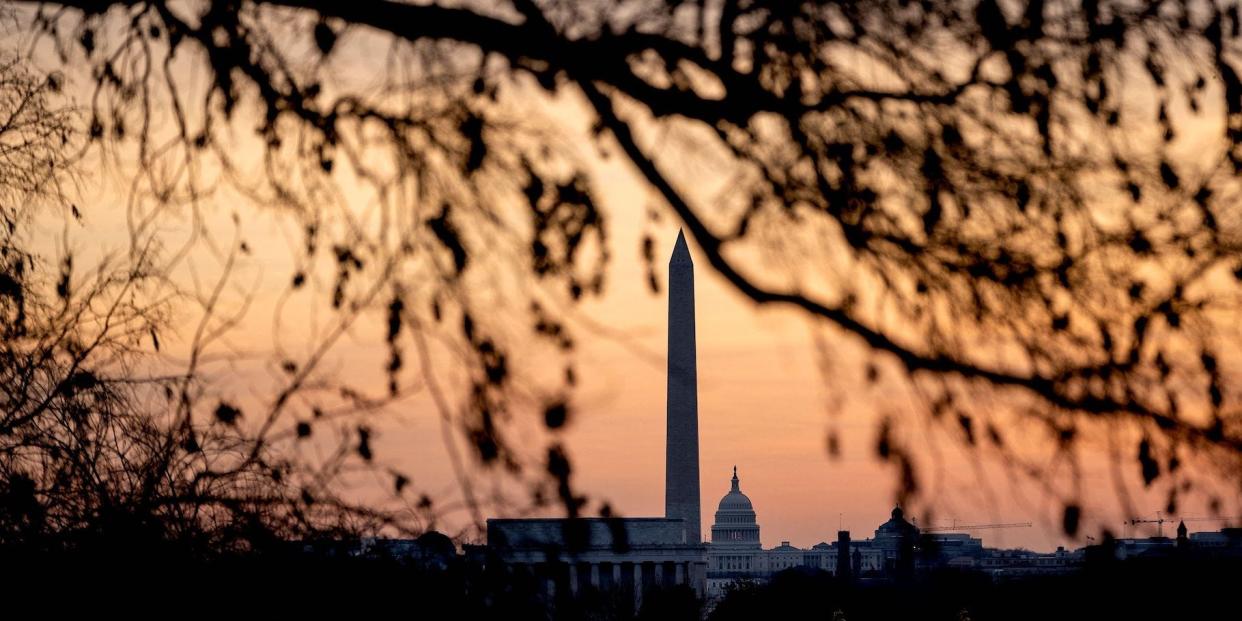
(681, 474)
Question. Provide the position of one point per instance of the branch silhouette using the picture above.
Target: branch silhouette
(1031, 199)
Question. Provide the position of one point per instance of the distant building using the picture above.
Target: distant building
(735, 551)
(1013, 564)
(633, 555)
(1224, 542)
(1149, 547)
(897, 539)
(431, 550)
(957, 550)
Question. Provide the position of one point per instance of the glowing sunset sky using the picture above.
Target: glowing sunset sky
(764, 404)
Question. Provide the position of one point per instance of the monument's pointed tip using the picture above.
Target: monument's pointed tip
(681, 252)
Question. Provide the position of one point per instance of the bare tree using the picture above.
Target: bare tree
(1025, 204)
(95, 449)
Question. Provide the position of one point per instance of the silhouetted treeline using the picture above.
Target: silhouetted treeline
(305, 579)
(1130, 590)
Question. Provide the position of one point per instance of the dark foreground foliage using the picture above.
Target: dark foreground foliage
(160, 580)
(313, 579)
(1130, 590)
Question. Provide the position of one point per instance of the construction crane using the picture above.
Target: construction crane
(1160, 520)
(956, 527)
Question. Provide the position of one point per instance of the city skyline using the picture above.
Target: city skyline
(832, 496)
(635, 558)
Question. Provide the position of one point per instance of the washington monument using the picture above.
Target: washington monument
(681, 464)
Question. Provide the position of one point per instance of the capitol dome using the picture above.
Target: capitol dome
(735, 500)
(735, 519)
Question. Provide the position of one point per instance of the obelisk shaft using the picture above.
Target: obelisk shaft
(681, 474)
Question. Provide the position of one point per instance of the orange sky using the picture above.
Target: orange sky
(763, 405)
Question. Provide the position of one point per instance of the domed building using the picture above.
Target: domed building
(895, 530)
(735, 525)
(896, 538)
(735, 552)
